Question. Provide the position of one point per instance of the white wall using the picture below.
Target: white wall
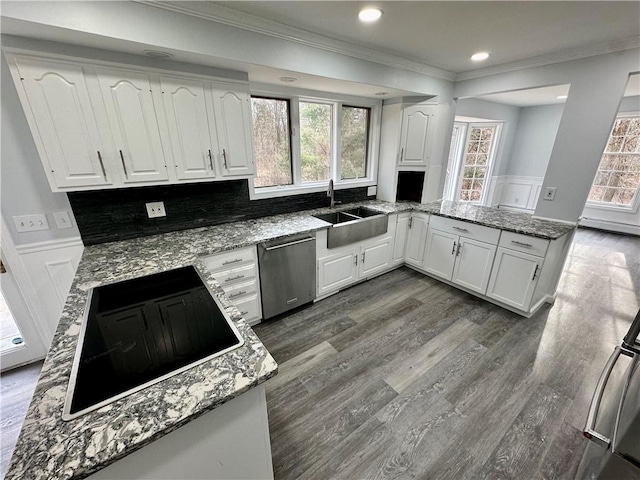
(23, 186)
(597, 86)
(534, 140)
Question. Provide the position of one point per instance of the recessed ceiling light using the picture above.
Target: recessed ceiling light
(158, 54)
(562, 97)
(381, 94)
(370, 14)
(288, 79)
(480, 56)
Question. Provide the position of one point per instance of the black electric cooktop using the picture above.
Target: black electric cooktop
(140, 331)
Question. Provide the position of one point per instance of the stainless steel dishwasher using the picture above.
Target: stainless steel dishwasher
(287, 273)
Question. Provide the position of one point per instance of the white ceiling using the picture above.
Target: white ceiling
(446, 34)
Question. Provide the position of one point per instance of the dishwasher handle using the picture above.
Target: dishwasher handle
(288, 244)
(592, 416)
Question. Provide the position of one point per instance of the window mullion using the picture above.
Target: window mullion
(336, 161)
(295, 141)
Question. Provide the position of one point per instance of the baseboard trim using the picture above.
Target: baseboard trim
(608, 226)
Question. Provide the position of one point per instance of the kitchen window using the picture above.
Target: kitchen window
(303, 142)
(617, 180)
(471, 157)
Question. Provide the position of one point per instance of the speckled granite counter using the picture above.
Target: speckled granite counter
(50, 448)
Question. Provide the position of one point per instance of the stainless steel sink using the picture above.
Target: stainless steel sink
(353, 225)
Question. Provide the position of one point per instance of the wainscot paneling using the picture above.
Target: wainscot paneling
(515, 192)
(45, 272)
(110, 215)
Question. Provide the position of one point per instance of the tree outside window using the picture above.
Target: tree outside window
(355, 139)
(618, 177)
(315, 141)
(272, 142)
(476, 162)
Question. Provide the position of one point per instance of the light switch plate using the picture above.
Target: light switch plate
(62, 219)
(549, 193)
(155, 209)
(31, 223)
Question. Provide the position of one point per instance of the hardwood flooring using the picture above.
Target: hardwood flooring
(405, 377)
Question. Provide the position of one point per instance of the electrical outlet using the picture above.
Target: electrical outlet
(31, 223)
(371, 191)
(156, 209)
(63, 220)
(549, 193)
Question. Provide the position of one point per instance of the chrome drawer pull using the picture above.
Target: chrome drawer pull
(461, 229)
(521, 244)
(244, 313)
(242, 292)
(232, 261)
(238, 277)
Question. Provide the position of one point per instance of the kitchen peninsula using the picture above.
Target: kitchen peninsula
(52, 448)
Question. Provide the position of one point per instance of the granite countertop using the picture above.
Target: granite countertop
(50, 448)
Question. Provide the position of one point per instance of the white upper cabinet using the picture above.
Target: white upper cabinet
(104, 126)
(233, 124)
(416, 135)
(56, 102)
(134, 124)
(191, 127)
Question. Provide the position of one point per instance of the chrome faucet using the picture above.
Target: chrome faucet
(330, 194)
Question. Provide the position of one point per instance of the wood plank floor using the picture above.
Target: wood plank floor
(405, 377)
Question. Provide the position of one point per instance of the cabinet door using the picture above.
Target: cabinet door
(134, 124)
(62, 122)
(441, 253)
(233, 123)
(337, 271)
(400, 242)
(514, 278)
(376, 258)
(415, 136)
(473, 264)
(191, 127)
(416, 239)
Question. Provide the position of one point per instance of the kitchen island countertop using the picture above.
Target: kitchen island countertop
(50, 448)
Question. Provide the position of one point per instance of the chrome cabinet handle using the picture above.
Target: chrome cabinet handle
(410, 221)
(459, 249)
(124, 167)
(241, 292)
(224, 157)
(461, 229)
(244, 313)
(535, 272)
(363, 254)
(355, 257)
(104, 172)
(401, 154)
(210, 160)
(521, 244)
(232, 261)
(453, 250)
(238, 277)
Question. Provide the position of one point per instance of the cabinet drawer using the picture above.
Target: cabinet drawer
(230, 260)
(524, 243)
(236, 275)
(466, 229)
(250, 309)
(242, 290)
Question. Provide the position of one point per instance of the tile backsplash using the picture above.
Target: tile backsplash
(118, 214)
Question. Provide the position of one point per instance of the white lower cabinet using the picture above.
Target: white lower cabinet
(237, 273)
(376, 257)
(460, 260)
(337, 271)
(416, 238)
(400, 240)
(514, 278)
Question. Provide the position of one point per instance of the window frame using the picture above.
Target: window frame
(615, 207)
(491, 160)
(295, 96)
(290, 140)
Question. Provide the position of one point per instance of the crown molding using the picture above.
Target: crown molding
(567, 55)
(234, 18)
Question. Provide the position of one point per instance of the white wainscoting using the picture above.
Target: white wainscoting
(45, 272)
(515, 192)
